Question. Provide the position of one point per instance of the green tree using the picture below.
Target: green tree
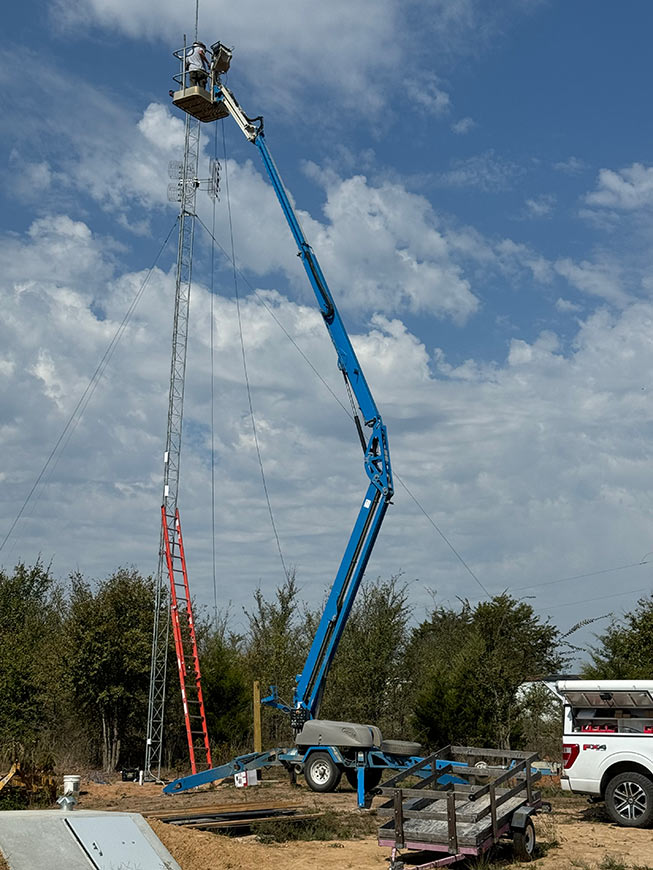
(625, 649)
(226, 691)
(474, 661)
(367, 682)
(31, 655)
(275, 649)
(110, 636)
(540, 721)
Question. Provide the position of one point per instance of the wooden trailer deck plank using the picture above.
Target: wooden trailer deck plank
(470, 833)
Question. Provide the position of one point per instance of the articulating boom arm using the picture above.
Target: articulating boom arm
(310, 683)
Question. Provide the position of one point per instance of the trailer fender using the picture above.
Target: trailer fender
(521, 816)
(332, 750)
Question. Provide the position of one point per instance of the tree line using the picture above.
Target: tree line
(75, 665)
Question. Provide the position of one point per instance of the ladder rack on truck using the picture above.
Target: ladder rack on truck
(465, 816)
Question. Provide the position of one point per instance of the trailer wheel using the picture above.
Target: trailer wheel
(321, 772)
(372, 777)
(523, 842)
(629, 799)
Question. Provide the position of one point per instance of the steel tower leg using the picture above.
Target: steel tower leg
(161, 630)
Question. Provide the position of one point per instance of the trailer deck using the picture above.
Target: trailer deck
(492, 796)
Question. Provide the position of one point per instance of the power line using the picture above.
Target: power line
(579, 576)
(212, 326)
(244, 356)
(444, 537)
(597, 598)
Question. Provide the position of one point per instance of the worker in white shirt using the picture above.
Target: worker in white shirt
(197, 64)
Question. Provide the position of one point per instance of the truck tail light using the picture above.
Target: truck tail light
(569, 754)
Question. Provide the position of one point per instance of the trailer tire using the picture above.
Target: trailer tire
(629, 799)
(523, 842)
(321, 772)
(372, 777)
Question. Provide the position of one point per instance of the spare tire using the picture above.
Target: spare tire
(401, 747)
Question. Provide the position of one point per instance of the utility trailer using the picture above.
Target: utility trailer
(491, 796)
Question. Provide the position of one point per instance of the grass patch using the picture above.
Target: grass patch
(547, 832)
(330, 825)
(611, 862)
(552, 790)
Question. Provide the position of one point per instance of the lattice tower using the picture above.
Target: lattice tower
(186, 187)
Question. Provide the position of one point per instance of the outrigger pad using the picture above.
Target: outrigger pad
(198, 103)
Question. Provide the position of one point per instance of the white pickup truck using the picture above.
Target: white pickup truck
(608, 745)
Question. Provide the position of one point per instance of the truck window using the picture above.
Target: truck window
(612, 720)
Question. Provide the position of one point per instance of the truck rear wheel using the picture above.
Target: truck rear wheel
(372, 777)
(629, 799)
(321, 772)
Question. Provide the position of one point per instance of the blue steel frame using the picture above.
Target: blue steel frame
(310, 683)
(366, 758)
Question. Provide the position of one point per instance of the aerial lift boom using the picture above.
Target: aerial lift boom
(334, 746)
(374, 441)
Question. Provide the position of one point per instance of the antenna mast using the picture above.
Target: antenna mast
(185, 190)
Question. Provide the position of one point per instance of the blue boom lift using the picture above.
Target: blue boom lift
(323, 749)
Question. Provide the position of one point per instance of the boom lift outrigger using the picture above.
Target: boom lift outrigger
(324, 749)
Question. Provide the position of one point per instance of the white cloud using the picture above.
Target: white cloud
(384, 248)
(428, 96)
(535, 466)
(597, 279)
(120, 161)
(570, 166)
(486, 172)
(628, 189)
(361, 48)
(540, 206)
(567, 306)
(463, 126)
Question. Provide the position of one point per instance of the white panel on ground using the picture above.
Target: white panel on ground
(115, 843)
(81, 840)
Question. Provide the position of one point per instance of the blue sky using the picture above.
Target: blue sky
(476, 181)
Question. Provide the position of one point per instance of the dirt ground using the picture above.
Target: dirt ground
(576, 836)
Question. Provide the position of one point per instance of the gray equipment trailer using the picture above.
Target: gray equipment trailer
(449, 821)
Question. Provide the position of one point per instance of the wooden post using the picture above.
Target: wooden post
(451, 823)
(398, 801)
(258, 745)
(529, 783)
(493, 812)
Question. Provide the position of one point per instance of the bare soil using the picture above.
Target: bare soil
(575, 836)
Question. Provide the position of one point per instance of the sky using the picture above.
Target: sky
(477, 184)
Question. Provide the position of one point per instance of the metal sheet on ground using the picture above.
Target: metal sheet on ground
(115, 843)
